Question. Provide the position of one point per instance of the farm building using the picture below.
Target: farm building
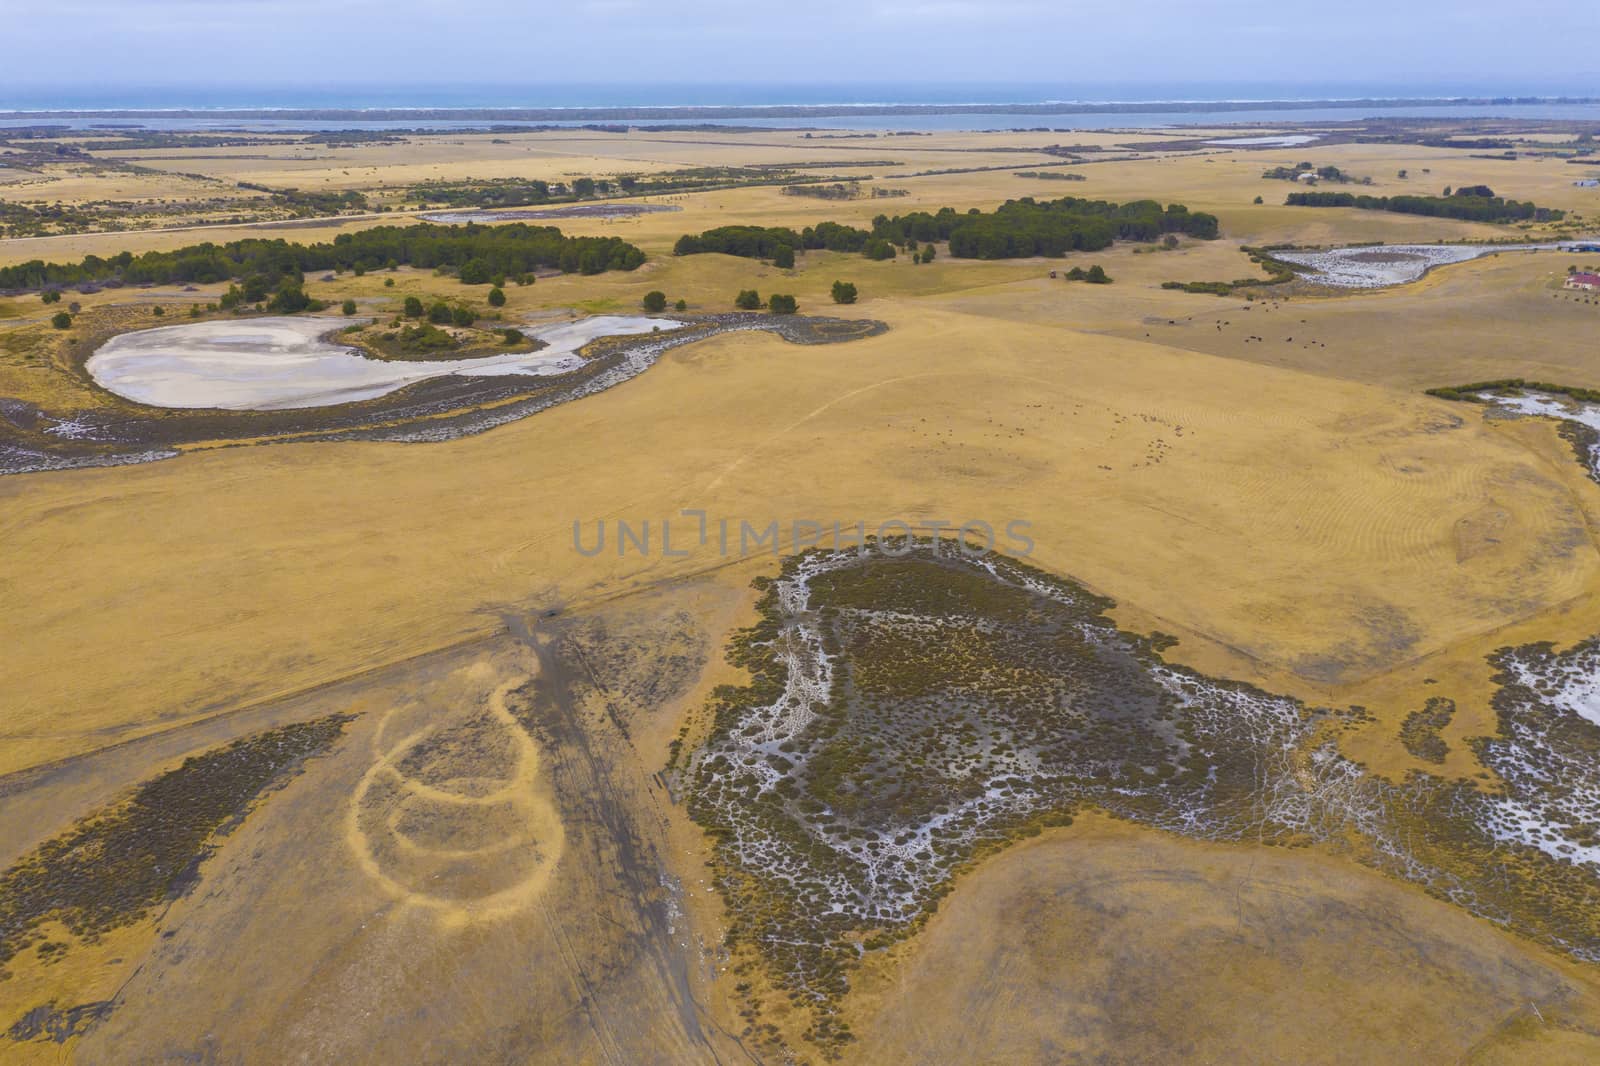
(1585, 282)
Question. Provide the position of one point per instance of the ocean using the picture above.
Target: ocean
(365, 107)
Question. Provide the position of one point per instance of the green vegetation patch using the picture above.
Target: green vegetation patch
(110, 869)
(1420, 731)
(1475, 203)
(508, 250)
(1016, 229)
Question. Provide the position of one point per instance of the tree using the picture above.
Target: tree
(1097, 275)
(439, 313)
(782, 304)
(475, 272)
(348, 307)
(878, 248)
(413, 307)
(497, 297)
(927, 253)
(158, 310)
(681, 305)
(1258, 200)
(61, 320)
(783, 257)
(51, 296)
(844, 292)
(583, 188)
(388, 283)
(655, 301)
(747, 300)
(462, 316)
(289, 298)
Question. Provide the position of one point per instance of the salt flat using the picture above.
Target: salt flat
(270, 364)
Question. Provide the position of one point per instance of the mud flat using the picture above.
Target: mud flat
(272, 364)
(1378, 266)
(524, 215)
(444, 406)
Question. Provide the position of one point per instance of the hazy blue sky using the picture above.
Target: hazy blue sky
(1548, 46)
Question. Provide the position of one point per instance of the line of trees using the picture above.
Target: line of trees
(1016, 229)
(1026, 227)
(1474, 204)
(507, 250)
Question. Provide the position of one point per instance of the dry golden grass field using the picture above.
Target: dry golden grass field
(488, 862)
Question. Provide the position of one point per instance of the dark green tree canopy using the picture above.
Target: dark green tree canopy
(1464, 205)
(512, 249)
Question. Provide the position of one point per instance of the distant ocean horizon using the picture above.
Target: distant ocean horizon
(108, 97)
(862, 104)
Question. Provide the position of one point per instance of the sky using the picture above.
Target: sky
(87, 46)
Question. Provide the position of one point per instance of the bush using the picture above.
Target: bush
(51, 297)
(878, 248)
(513, 336)
(475, 272)
(655, 300)
(1097, 275)
(289, 298)
(388, 283)
(681, 305)
(747, 300)
(158, 311)
(844, 292)
(462, 316)
(439, 313)
(413, 307)
(497, 297)
(61, 320)
(348, 307)
(783, 257)
(781, 304)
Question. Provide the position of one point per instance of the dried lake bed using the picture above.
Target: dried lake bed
(1379, 266)
(232, 384)
(274, 364)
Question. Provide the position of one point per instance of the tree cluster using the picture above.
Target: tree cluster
(513, 249)
(1016, 229)
(1467, 205)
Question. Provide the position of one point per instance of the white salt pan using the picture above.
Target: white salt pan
(270, 364)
